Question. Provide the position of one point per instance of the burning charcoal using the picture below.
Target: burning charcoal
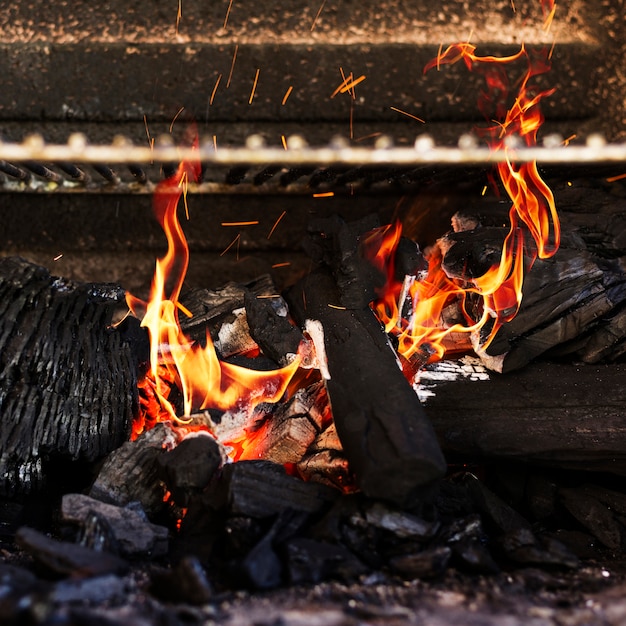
(471, 254)
(428, 563)
(327, 467)
(189, 467)
(593, 515)
(186, 582)
(291, 429)
(132, 531)
(68, 383)
(311, 562)
(223, 308)
(389, 443)
(67, 559)
(262, 489)
(268, 319)
(400, 524)
(130, 474)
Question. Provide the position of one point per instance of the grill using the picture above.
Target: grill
(96, 103)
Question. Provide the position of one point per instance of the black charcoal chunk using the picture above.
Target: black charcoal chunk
(428, 563)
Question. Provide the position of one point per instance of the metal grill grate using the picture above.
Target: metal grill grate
(122, 167)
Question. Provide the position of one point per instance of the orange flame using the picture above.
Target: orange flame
(533, 212)
(204, 381)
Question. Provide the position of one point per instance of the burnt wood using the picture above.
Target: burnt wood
(68, 387)
(386, 437)
(550, 414)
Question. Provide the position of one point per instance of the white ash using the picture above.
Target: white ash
(234, 337)
(315, 331)
(446, 371)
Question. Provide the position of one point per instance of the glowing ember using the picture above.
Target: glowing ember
(533, 213)
(176, 361)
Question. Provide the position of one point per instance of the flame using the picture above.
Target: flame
(534, 224)
(194, 369)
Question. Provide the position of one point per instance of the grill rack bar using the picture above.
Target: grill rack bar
(258, 168)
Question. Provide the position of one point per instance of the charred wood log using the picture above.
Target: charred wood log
(68, 385)
(550, 414)
(387, 439)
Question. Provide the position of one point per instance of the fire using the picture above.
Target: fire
(204, 382)
(534, 224)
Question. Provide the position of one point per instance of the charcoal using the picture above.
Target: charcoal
(473, 556)
(130, 473)
(262, 489)
(186, 582)
(471, 254)
(400, 524)
(67, 559)
(134, 534)
(387, 439)
(261, 568)
(15, 584)
(268, 320)
(409, 260)
(68, 380)
(541, 496)
(522, 546)
(189, 467)
(292, 427)
(594, 516)
(98, 534)
(502, 517)
(327, 467)
(429, 563)
(557, 415)
(310, 562)
(97, 590)
(214, 309)
(338, 245)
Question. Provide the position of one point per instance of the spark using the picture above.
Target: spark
(232, 66)
(284, 141)
(552, 50)
(287, 94)
(612, 179)
(326, 194)
(513, 6)
(549, 15)
(179, 14)
(280, 217)
(351, 85)
(319, 12)
(268, 296)
(256, 80)
(566, 142)
(484, 191)
(249, 223)
(335, 306)
(419, 119)
(231, 244)
(217, 84)
(284, 264)
(345, 81)
(184, 309)
(366, 137)
(184, 183)
(230, 6)
(57, 257)
(150, 138)
(215, 143)
(175, 118)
